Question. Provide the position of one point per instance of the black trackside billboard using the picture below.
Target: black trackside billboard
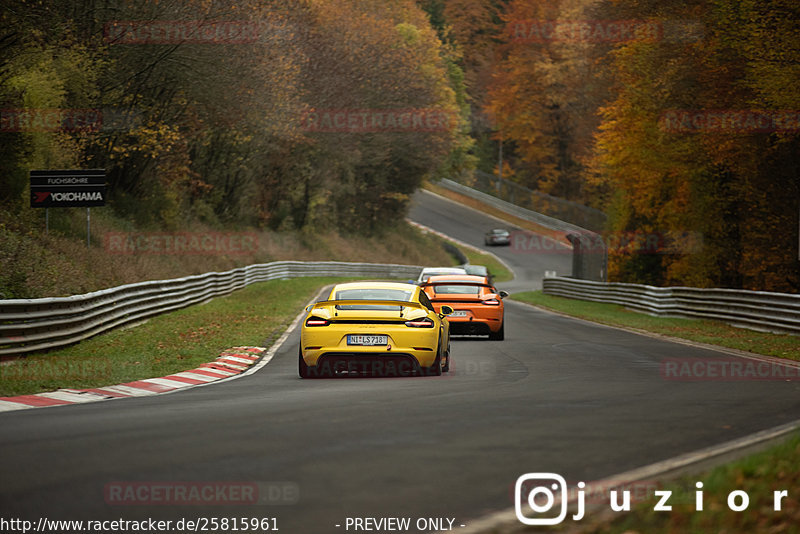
(68, 188)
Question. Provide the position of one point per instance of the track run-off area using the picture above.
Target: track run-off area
(558, 395)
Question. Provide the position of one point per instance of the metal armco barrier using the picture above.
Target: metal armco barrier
(513, 209)
(28, 325)
(760, 310)
(536, 201)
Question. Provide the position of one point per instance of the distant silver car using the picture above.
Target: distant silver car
(498, 236)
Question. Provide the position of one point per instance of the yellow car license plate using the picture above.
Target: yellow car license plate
(357, 339)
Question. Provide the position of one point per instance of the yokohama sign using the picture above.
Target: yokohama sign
(68, 189)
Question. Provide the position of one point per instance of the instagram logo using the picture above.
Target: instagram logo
(537, 489)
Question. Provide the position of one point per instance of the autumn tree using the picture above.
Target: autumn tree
(734, 184)
(208, 123)
(543, 96)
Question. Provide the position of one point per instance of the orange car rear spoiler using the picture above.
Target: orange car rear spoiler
(456, 283)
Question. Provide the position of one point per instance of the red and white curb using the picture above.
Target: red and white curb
(230, 363)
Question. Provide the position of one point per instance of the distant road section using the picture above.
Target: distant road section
(528, 261)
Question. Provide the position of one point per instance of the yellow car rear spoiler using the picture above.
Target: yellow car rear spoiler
(403, 303)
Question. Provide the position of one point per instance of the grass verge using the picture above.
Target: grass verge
(702, 331)
(759, 475)
(34, 265)
(254, 316)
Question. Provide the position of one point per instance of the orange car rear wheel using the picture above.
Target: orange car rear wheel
(499, 335)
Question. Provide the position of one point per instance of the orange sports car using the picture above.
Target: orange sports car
(478, 305)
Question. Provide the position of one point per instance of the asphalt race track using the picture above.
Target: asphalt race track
(558, 395)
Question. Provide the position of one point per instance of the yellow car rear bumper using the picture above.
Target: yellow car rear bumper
(419, 344)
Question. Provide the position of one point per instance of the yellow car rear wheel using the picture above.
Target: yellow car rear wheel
(303, 369)
(436, 368)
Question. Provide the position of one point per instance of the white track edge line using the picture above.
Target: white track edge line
(508, 517)
(670, 339)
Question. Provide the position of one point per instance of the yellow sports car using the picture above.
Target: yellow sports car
(374, 328)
